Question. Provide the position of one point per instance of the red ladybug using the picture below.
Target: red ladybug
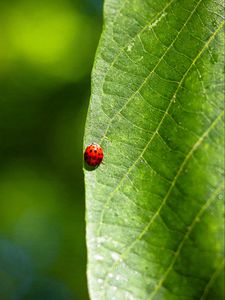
(93, 155)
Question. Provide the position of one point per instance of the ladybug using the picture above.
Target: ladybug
(93, 155)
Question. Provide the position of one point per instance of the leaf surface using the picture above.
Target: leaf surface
(155, 210)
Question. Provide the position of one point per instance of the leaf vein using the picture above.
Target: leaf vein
(185, 237)
(212, 280)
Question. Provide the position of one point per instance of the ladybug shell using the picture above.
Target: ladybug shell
(93, 155)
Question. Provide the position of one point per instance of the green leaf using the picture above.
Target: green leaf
(155, 210)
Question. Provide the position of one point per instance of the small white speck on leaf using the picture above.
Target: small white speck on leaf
(99, 257)
(129, 47)
(157, 21)
(220, 197)
(115, 256)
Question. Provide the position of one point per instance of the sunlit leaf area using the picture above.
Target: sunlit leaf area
(155, 206)
(46, 54)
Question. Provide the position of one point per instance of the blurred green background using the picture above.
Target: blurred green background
(46, 54)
